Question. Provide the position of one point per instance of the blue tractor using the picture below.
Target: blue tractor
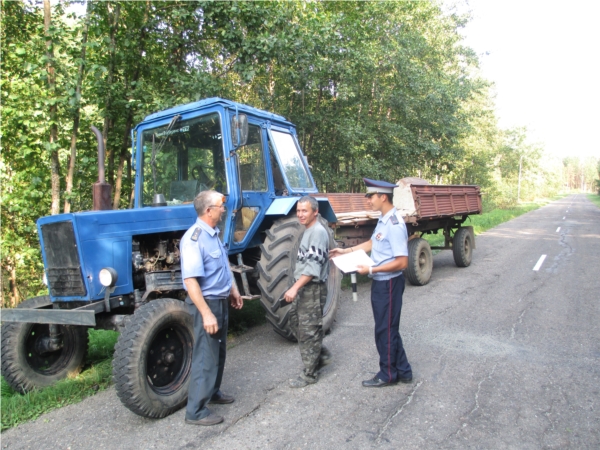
(120, 269)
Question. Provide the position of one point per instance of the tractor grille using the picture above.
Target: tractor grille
(63, 267)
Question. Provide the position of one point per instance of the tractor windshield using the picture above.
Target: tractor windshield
(182, 159)
(291, 161)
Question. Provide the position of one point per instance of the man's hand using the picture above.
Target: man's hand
(336, 252)
(210, 322)
(363, 270)
(236, 299)
(291, 294)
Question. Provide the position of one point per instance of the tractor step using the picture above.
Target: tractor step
(242, 268)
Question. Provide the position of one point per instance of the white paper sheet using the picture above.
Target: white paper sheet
(348, 262)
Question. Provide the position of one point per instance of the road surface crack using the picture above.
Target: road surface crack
(395, 413)
(465, 418)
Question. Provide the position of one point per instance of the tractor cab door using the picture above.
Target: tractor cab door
(253, 186)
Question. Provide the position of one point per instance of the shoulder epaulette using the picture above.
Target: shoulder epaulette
(196, 234)
(394, 219)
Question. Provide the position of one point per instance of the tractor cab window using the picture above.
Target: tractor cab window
(183, 158)
(291, 161)
(252, 163)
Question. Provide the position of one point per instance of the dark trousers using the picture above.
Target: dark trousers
(386, 300)
(208, 359)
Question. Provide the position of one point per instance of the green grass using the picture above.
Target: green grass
(252, 314)
(595, 199)
(96, 376)
(488, 220)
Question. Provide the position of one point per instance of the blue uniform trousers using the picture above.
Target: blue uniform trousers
(386, 301)
(208, 359)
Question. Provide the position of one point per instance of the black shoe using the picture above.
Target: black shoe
(405, 379)
(376, 382)
(207, 421)
(221, 399)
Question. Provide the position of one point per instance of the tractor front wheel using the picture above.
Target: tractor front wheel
(153, 358)
(28, 361)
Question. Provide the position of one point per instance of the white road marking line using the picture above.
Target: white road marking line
(539, 263)
(558, 229)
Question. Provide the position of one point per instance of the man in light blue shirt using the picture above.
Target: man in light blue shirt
(389, 251)
(208, 281)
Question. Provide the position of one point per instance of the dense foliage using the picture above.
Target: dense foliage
(377, 89)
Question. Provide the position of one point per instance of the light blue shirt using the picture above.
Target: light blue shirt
(206, 260)
(390, 240)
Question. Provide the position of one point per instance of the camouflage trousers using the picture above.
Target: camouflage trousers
(306, 320)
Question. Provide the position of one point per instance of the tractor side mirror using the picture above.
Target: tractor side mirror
(239, 130)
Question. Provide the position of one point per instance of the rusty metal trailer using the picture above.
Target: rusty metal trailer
(426, 209)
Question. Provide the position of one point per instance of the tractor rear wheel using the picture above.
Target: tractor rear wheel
(153, 358)
(276, 274)
(26, 361)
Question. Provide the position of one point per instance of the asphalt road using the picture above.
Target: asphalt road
(504, 356)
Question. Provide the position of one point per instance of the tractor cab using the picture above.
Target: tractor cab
(251, 156)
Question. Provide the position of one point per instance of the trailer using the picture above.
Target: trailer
(426, 209)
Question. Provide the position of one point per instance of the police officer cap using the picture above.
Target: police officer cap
(379, 187)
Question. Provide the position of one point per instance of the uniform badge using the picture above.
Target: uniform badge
(394, 219)
(196, 233)
(379, 236)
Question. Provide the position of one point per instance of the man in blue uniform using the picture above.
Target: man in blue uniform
(207, 280)
(389, 251)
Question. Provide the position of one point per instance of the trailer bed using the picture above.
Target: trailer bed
(415, 202)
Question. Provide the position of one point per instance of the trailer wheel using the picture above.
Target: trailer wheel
(27, 365)
(462, 247)
(276, 269)
(153, 358)
(420, 262)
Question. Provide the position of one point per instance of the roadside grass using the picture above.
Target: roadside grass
(96, 375)
(595, 199)
(488, 220)
(241, 320)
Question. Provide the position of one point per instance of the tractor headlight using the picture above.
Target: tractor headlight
(108, 277)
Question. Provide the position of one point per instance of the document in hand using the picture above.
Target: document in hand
(350, 261)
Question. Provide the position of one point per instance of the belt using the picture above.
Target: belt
(317, 282)
(212, 297)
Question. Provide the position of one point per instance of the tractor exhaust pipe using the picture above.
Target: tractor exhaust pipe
(102, 190)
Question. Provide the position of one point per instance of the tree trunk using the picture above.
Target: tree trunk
(16, 298)
(76, 115)
(110, 154)
(124, 153)
(54, 162)
(309, 143)
(123, 157)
